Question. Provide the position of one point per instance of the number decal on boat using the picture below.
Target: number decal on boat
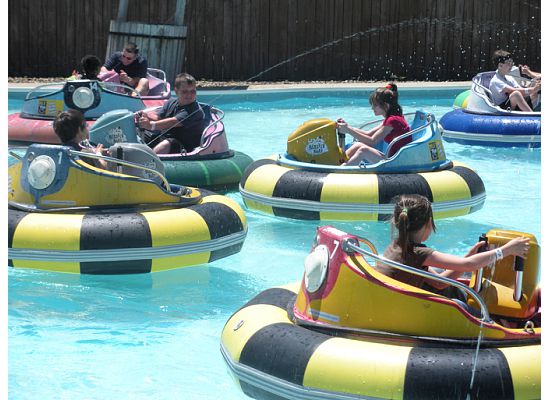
(337, 243)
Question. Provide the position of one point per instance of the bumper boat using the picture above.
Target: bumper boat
(93, 98)
(477, 120)
(347, 331)
(212, 165)
(66, 215)
(307, 182)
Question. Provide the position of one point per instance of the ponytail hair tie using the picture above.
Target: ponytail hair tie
(405, 211)
(388, 86)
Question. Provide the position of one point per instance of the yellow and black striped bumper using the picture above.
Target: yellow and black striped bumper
(126, 241)
(272, 358)
(293, 193)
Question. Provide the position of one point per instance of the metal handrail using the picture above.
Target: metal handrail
(15, 155)
(40, 87)
(371, 123)
(127, 90)
(382, 119)
(122, 162)
(158, 71)
(482, 90)
(348, 245)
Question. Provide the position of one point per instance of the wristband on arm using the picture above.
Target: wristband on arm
(498, 254)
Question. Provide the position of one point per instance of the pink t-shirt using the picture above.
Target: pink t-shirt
(399, 127)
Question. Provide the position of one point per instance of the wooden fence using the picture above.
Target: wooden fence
(290, 39)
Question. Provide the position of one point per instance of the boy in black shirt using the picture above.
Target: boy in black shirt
(182, 119)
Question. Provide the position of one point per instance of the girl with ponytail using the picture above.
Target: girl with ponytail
(384, 101)
(412, 224)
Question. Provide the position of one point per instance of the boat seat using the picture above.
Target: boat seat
(417, 137)
(212, 129)
(486, 79)
(137, 153)
(157, 87)
(497, 289)
(484, 82)
(499, 300)
(213, 139)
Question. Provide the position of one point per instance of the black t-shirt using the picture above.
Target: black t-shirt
(192, 118)
(136, 69)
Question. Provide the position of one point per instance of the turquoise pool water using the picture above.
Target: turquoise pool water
(157, 336)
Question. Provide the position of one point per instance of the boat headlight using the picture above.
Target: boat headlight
(41, 172)
(316, 265)
(83, 97)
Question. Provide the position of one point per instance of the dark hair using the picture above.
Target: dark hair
(131, 47)
(410, 214)
(387, 95)
(500, 56)
(67, 124)
(182, 78)
(91, 66)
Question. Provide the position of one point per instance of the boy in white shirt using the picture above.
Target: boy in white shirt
(507, 93)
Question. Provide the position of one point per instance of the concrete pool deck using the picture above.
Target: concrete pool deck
(207, 86)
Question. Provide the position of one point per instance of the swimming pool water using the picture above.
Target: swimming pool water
(157, 336)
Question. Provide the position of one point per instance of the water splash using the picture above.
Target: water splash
(487, 26)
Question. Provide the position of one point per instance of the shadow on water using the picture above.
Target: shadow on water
(189, 293)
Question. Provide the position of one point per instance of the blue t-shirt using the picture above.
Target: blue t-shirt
(136, 69)
(192, 118)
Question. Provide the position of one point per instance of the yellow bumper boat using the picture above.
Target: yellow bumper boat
(66, 215)
(347, 331)
(309, 182)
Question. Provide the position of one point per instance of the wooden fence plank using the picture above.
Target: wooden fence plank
(355, 50)
(522, 11)
(214, 34)
(245, 38)
(420, 41)
(227, 40)
(381, 37)
(204, 40)
(471, 53)
(301, 39)
(407, 21)
(290, 28)
(486, 47)
(317, 40)
(237, 42)
(332, 48)
(28, 47)
(253, 62)
(16, 29)
(534, 39)
(337, 35)
(190, 60)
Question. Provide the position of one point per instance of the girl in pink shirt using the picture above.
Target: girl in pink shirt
(383, 102)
